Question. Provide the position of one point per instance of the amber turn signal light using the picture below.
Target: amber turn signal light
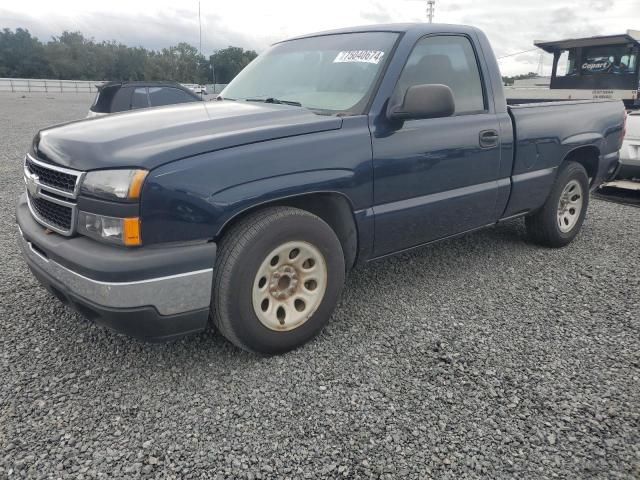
(135, 187)
(131, 234)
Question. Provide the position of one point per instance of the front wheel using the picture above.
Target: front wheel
(559, 220)
(279, 275)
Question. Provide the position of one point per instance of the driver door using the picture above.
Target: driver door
(437, 177)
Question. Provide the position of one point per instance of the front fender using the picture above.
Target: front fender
(232, 201)
(193, 198)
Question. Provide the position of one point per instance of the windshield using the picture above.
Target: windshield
(328, 74)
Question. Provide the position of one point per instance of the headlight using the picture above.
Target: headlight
(114, 184)
(122, 231)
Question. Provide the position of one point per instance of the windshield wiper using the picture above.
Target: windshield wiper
(274, 100)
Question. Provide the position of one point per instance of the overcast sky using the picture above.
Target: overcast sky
(511, 25)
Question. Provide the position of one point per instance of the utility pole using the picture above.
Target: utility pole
(431, 6)
(200, 46)
(213, 74)
(200, 24)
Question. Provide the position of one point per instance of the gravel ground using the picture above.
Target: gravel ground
(484, 356)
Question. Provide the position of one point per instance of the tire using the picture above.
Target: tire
(559, 220)
(250, 294)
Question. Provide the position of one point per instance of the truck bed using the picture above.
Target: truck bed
(524, 101)
(542, 102)
(545, 133)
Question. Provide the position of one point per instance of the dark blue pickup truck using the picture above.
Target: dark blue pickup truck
(327, 151)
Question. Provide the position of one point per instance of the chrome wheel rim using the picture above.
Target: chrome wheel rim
(289, 286)
(570, 206)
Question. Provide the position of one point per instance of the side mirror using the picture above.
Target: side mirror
(424, 101)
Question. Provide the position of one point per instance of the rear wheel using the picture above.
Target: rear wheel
(559, 220)
(279, 275)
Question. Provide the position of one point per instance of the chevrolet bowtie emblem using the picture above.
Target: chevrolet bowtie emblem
(32, 184)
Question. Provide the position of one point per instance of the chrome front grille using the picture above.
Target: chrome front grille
(54, 214)
(51, 193)
(63, 181)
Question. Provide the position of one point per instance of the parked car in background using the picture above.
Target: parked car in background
(115, 97)
(630, 152)
(195, 88)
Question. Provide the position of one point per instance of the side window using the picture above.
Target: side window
(629, 61)
(566, 64)
(121, 100)
(167, 96)
(140, 99)
(448, 60)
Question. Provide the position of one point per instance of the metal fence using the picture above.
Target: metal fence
(45, 85)
(217, 88)
(30, 85)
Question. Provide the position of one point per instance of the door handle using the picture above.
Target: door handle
(489, 138)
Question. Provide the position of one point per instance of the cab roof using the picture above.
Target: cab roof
(420, 28)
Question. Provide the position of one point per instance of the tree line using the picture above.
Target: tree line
(524, 76)
(72, 56)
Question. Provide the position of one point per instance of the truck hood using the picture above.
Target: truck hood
(149, 138)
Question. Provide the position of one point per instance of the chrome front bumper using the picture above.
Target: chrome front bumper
(154, 293)
(168, 295)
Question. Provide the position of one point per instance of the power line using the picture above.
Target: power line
(517, 53)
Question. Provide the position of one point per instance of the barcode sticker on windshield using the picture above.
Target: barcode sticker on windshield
(359, 56)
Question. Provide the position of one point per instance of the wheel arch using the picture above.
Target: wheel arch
(586, 155)
(333, 207)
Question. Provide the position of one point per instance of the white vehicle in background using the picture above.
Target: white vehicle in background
(630, 151)
(195, 88)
